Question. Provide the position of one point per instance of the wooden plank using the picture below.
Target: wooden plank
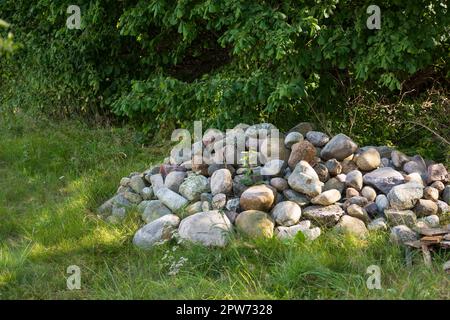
(431, 239)
(426, 255)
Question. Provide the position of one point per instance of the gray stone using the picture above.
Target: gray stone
(156, 181)
(273, 168)
(210, 228)
(286, 213)
(401, 234)
(356, 211)
(354, 179)
(171, 199)
(339, 147)
(398, 159)
(324, 215)
(154, 210)
(430, 221)
(219, 201)
(147, 193)
(221, 182)
(334, 183)
(292, 138)
(300, 199)
(322, 172)
(137, 184)
(156, 232)
(437, 172)
(382, 202)
(405, 196)
(383, 179)
(443, 207)
(174, 179)
(193, 186)
(446, 195)
(305, 180)
(279, 183)
(290, 232)
(233, 204)
(399, 217)
(425, 208)
(334, 167)
(377, 224)
(318, 139)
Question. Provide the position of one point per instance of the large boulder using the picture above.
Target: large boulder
(405, 196)
(254, 223)
(305, 180)
(339, 148)
(210, 228)
(383, 179)
(157, 231)
(259, 197)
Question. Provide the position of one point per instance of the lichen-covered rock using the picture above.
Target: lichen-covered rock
(155, 209)
(400, 217)
(171, 199)
(401, 234)
(324, 215)
(193, 186)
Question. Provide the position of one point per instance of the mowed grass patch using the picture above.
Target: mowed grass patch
(54, 176)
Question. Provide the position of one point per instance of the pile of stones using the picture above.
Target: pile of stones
(313, 183)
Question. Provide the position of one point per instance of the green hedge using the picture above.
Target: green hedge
(163, 63)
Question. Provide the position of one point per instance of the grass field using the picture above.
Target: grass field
(54, 175)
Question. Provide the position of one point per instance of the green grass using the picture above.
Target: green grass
(54, 175)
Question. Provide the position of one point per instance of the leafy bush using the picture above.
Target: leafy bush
(163, 63)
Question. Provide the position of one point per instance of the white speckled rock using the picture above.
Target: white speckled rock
(210, 228)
